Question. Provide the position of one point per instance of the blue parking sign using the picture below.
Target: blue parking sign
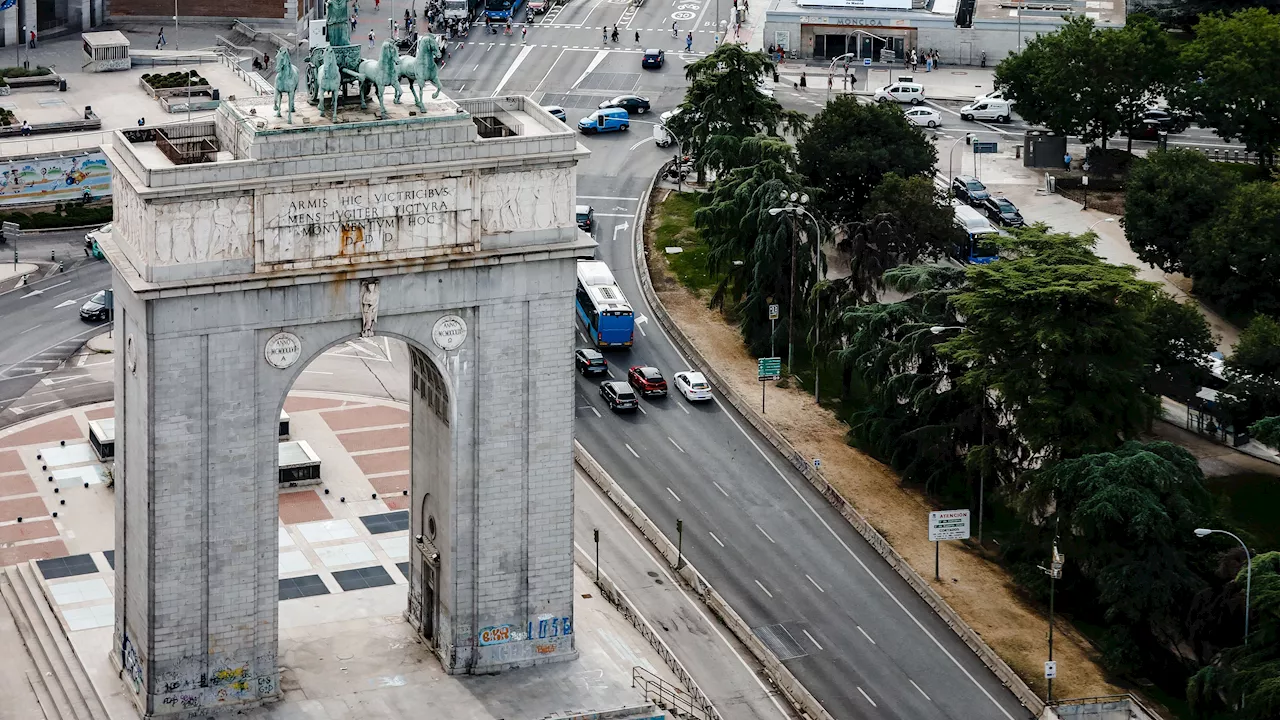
(866, 62)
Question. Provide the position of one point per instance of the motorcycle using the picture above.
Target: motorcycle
(679, 170)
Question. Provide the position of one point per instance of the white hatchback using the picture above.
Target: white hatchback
(925, 117)
(693, 386)
(903, 92)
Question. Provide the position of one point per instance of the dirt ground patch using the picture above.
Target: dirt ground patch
(978, 589)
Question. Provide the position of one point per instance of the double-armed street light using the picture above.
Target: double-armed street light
(794, 204)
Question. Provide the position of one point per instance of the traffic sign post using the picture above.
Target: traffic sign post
(767, 369)
(946, 525)
(1050, 669)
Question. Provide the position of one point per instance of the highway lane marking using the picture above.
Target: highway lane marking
(815, 642)
(608, 197)
(865, 635)
(600, 55)
(33, 327)
(815, 584)
(610, 372)
(633, 452)
(80, 360)
(548, 73)
(633, 147)
(699, 609)
(588, 407)
(641, 409)
(713, 537)
(524, 53)
(914, 685)
(584, 337)
(42, 291)
(673, 442)
(635, 271)
(477, 67)
(722, 492)
(765, 534)
(765, 589)
(622, 215)
(64, 303)
(682, 407)
(673, 494)
(868, 697)
(95, 328)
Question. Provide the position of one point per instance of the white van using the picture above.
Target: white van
(661, 137)
(902, 92)
(988, 109)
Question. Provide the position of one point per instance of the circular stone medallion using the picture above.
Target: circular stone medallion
(449, 332)
(283, 349)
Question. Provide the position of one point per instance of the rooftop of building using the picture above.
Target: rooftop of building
(895, 13)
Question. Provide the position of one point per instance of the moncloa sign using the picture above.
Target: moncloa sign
(857, 4)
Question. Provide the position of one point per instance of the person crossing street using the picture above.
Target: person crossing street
(688, 42)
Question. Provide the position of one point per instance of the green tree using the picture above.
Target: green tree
(1253, 374)
(1242, 681)
(749, 249)
(1083, 80)
(1167, 196)
(1060, 337)
(1234, 258)
(1267, 431)
(1124, 520)
(849, 148)
(723, 99)
(1228, 78)
(1181, 342)
(906, 220)
(1140, 66)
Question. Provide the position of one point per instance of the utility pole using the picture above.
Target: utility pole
(679, 543)
(1054, 571)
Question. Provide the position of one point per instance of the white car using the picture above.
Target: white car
(996, 95)
(925, 116)
(902, 92)
(765, 89)
(693, 386)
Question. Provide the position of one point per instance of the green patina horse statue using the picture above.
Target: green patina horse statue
(420, 68)
(286, 80)
(329, 80)
(379, 74)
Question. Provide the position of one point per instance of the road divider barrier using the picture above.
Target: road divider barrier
(967, 634)
(796, 694)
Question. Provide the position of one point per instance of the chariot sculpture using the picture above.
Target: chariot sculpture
(331, 69)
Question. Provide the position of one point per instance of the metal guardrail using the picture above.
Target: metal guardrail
(668, 696)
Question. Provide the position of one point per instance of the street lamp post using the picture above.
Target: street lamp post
(982, 472)
(1248, 575)
(1054, 571)
(951, 162)
(176, 45)
(1096, 224)
(798, 209)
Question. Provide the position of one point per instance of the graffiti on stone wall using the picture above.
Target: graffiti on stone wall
(549, 627)
(495, 635)
(50, 180)
(131, 663)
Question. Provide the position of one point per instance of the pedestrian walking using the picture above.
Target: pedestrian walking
(604, 35)
(637, 37)
(803, 81)
(524, 35)
(688, 42)
(353, 23)
(31, 44)
(161, 42)
(370, 38)
(1066, 161)
(831, 81)
(675, 29)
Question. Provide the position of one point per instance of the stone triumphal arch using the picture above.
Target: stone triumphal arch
(244, 246)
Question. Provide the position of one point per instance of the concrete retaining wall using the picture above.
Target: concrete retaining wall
(994, 662)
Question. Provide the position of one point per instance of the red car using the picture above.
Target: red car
(647, 380)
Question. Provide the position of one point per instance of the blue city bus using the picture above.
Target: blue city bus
(502, 9)
(602, 307)
(978, 246)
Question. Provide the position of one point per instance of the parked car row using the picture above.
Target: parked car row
(972, 192)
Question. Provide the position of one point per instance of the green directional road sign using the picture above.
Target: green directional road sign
(769, 368)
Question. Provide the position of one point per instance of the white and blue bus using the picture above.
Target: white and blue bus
(502, 9)
(602, 307)
(979, 234)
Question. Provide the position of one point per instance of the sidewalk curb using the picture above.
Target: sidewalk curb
(610, 592)
(968, 635)
(797, 696)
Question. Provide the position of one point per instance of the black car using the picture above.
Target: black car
(590, 362)
(653, 59)
(1155, 121)
(96, 308)
(1002, 212)
(630, 103)
(586, 216)
(618, 395)
(969, 189)
(556, 111)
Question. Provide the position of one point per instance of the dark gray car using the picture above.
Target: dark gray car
(969, 189)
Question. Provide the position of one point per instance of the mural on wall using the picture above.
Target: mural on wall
(58, 179)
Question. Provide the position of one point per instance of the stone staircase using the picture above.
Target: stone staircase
(60, 683)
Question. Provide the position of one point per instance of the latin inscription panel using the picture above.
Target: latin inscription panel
(367, 221)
